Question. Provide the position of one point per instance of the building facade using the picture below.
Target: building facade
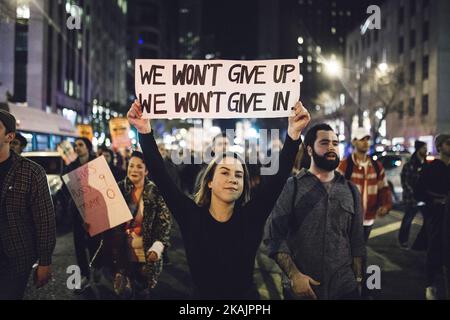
(414, 40)
(64, 56)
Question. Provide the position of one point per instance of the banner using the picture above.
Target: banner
(97, 196)
(119, 129)
(217, 88)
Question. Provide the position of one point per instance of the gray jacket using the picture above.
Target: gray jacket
(321, 231)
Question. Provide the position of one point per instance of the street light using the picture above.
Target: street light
(383, 67)
(333, 67)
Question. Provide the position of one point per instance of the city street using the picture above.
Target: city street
(402, 272)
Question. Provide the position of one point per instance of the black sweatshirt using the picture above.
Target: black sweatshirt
(221, 255)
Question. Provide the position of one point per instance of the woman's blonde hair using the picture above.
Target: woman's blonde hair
(203, 196)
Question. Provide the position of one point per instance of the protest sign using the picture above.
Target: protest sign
(217, 88)
(65, 149)
(97, 196)
(119, 129)
(85, 130)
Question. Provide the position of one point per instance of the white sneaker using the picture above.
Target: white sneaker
(430, 293)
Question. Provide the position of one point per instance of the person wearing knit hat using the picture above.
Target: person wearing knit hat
(409, 176)
(433, 188)
(24, 193)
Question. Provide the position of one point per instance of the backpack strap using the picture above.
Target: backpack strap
(294, 195)
(349, 169)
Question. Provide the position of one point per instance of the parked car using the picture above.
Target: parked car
(53, 164)
(393, 163)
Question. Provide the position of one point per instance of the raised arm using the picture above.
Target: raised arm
(177, 202)
(270, 189)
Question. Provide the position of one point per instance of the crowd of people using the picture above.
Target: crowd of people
(314, 216)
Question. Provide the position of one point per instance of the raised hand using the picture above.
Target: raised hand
(298, 121)
(134, 116)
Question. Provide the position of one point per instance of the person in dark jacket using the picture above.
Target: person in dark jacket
(315, 231)
(222, 228)
(433, 188)
(117, 172)
(135, 248)
(27, 218)
(81, 239)
(409, 176)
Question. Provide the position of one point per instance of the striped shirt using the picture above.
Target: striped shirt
(375, 191)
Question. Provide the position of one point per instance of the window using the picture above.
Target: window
(412, 7)
(412, 107)
(425, 105)
(401, 15)
(401, 78)
(401, 47)
(425, 31)
(148, 37)
(425, 67)
(412, 73)
(401, 110)
(412, 39)
(147, 53)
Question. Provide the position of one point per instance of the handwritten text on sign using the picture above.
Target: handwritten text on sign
(97, 196)
(217, 88)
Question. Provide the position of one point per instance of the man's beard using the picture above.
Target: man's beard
(323, 163)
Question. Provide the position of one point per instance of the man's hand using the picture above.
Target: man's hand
(298, 121)
(301, 286)
(152, 256)
(381, 212)
(42, 276)
(134, 116)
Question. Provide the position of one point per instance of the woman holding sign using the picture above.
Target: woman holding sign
(222, 228)
(135, 248)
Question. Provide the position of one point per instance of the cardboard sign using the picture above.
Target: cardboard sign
(66, 151)
(217, 88)
(85, 130)
(119, 129)
(97, 196)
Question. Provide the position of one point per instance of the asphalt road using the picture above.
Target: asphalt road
(402, 272)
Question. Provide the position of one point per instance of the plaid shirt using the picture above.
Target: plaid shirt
(27, 227)
(378, 193)
(410, 176)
